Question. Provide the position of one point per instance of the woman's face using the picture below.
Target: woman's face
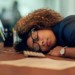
(41, 39)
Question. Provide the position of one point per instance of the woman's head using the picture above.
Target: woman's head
(39, 21)
(41, 40)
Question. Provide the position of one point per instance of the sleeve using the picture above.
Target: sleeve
(67, 30)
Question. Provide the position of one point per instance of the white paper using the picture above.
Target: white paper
(45, 63)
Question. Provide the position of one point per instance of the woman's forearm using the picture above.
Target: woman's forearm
(70, 52)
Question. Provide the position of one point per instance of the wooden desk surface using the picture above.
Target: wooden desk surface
(14, 70)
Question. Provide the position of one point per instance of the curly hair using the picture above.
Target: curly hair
(45, 17)
(41, 17)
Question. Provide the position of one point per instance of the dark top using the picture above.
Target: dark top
(65, 31)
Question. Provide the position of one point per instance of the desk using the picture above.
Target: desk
(15, 70)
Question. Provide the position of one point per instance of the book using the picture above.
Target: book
(33, 54)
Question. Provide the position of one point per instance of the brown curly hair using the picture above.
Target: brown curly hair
(46, 17)
(43, 17)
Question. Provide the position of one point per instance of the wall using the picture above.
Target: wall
(65, 7)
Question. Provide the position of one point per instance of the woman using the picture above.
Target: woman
(46, 31)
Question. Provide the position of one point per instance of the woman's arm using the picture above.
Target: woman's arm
(69, 52)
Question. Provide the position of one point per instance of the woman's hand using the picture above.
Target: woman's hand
(55, 51)
(70, 52)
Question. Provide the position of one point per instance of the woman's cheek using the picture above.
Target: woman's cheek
(41, 36)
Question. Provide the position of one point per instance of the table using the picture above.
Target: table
(22, 70)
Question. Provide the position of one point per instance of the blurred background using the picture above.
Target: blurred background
(12, 10)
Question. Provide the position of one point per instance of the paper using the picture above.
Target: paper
(45, 63)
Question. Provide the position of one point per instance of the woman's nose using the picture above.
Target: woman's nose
(41, 42)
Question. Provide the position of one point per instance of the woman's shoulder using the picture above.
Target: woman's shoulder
(68, 22)
(67, 29)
